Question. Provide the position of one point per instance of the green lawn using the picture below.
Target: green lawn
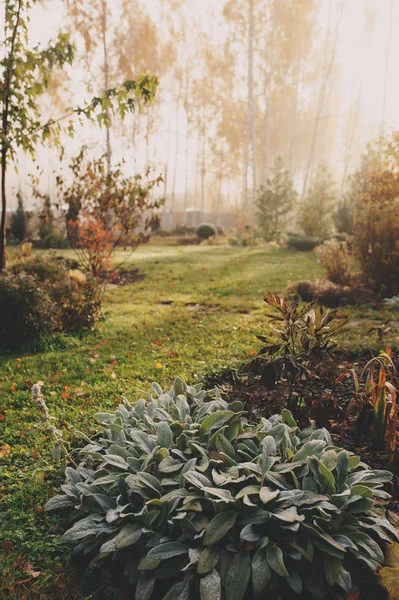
(196, 312)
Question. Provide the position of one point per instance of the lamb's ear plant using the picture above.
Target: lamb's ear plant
(195, 500)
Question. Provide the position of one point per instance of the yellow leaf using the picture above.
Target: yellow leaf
(389, 574)
(389, 580)
(158, 365)
(392, 555)
(5, 450)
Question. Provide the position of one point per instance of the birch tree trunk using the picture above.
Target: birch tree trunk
(187, 150)
(387, 55)
(252, 102)
(248, 128)
(322, 95)
(219, 199)
(203, 166)
(268, 96)
(108, 150)
(173, 192)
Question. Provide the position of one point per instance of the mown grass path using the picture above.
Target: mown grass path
(197, 311)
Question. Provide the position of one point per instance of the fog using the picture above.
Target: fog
(241, 83)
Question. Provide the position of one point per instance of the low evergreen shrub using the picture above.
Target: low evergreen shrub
(205, 231)
(194, 500)
(302, 243)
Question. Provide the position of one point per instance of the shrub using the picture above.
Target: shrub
(302, 243)
(343, 218)
(300, 328)
(188, 241)
(305, 290)
(43, 297)
(44, 269)
(193, 500)
(315, 212)
(106, 210)
(18, 222)
(54, 239)
(326, 293)
(302, 339)
(275, 200)
(93, 244)
(376, 219)
(332, 295)
(27, 311)
(337, 261)
(205, 231)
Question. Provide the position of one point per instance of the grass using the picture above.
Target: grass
(196, 312)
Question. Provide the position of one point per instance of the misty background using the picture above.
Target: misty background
(241, 84)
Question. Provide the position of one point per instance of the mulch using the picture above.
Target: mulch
(323, 402)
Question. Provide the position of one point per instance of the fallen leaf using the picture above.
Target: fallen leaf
(6, 546)
(158, 365)
(5, 450)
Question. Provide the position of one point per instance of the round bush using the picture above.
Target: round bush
(43, 297)
(205, 231)
(194, 500)
(27, 311)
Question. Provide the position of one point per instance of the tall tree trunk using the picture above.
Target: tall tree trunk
(219, 200)
(187, 151)
(387, 55)
(351, 134)
(173, 193)
(4, 140)
(165, 186)
(354, 118)
(322, 94)
(248, 128)
(268, 97)
(147, 138)
(134, 143)
(253, 112)
(293, 120)
(104, 9)
(203, 166)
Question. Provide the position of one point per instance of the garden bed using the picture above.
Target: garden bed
(321, 401)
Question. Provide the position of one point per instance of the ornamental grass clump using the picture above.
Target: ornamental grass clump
(195, 500)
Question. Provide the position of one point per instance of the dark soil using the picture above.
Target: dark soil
(323, 401)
